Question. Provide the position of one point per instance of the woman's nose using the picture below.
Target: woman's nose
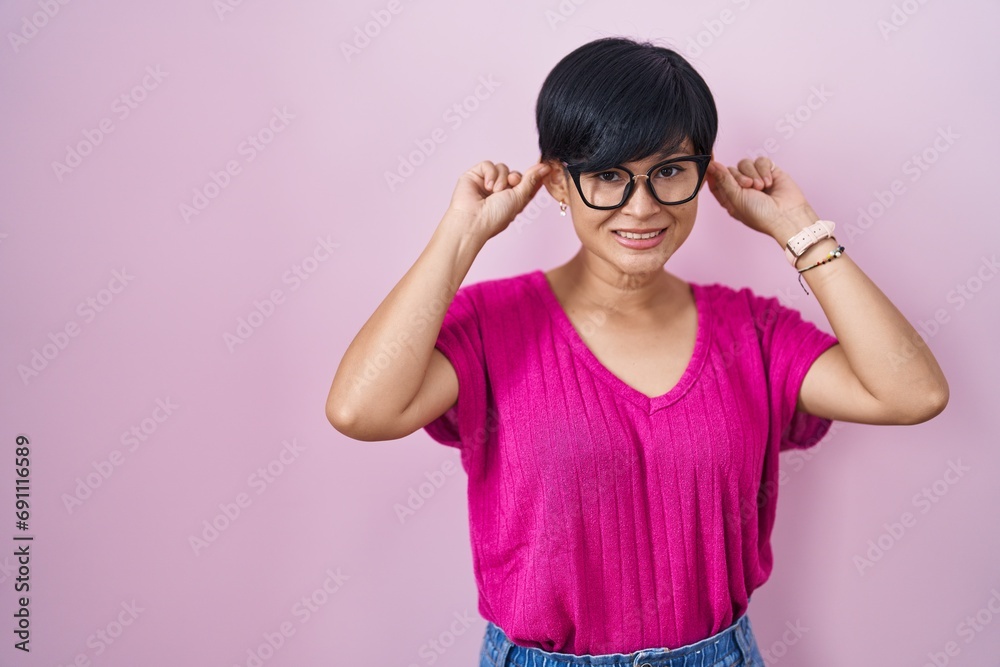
(641, 202)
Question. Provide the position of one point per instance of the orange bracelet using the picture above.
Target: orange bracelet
(834, 254)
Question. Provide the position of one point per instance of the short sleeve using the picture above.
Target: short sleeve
(789, 345)
(461, 341)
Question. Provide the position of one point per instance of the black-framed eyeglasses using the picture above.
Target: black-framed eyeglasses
(671, 182)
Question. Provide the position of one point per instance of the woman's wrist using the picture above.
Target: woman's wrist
(792, 223)
(463, 224)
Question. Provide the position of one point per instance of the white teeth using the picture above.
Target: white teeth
(631, 235)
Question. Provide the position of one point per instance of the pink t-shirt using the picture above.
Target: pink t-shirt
(603, 520)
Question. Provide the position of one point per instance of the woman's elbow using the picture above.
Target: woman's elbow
(934, 404)
(939, 401)
(341, 417)
(363, 425)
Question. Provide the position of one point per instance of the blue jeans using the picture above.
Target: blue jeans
(734, 646)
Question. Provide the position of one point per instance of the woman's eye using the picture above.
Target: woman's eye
(611, 176)
(662, 171)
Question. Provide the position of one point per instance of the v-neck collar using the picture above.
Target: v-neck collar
(649, 404)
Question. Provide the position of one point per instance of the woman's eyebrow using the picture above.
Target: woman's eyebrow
(661, 155)
(664, 154)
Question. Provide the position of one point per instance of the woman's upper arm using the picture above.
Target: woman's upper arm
(830, 389)
(436, 395)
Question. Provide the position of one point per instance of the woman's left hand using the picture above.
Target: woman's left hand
(761, 196)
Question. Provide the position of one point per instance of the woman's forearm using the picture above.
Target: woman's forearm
(886, 353)
(384, 366)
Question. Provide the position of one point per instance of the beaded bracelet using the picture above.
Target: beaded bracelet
(834, 254)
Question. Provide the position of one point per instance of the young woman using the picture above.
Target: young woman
(620, 426)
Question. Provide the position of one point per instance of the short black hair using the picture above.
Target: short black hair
(616, 100)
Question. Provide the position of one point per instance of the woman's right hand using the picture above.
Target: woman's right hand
(491, 196)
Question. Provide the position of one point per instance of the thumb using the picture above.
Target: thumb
(531, 181)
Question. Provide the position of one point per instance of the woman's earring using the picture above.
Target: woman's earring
(562, 208)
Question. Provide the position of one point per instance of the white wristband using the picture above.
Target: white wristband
(809, 236)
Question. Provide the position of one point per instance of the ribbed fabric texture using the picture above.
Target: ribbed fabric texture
(603, 520)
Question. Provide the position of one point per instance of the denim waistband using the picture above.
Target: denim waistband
(735, 641)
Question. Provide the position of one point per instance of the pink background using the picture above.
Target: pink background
(314, 198)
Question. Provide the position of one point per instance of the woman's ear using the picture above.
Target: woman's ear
(708, 174)
(557, 181)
